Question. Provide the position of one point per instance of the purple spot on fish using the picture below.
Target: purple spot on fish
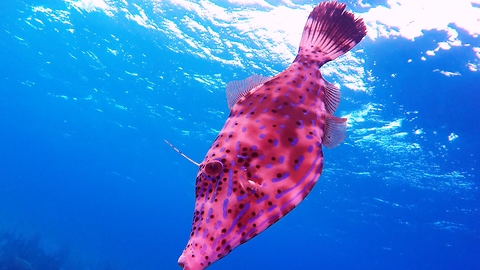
(265, 110)
(254, 147)
(263, 199)
(280, 107)
(244, 129)
(230, 183)
(217, 225)
(261, 127)
(261, 157)
(271, 208)
(241, 197)
(261, 136)
(269, 166)
(257, 121)
(241, 156)
(281, 159)
(222, 149)
(309, 137)
(225, 204)
(310, 149)
(201, 209)
(205, 233)
(275, 142)
(300, 123)
(287, 116)
(237, 146)
(256, 216)
(282, 126)
(283, 177)
(294, 142)
(235, 221)
(301, 159)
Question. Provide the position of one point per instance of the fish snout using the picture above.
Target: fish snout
(181, 261)
(189, 264)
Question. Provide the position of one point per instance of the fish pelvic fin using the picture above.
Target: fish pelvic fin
(329, 32)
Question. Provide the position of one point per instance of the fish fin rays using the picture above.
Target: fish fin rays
(329, 32)
(182, 154)
(335, 130)
(332, 97)
(238, 89)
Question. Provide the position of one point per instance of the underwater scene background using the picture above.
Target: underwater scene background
(89, 90)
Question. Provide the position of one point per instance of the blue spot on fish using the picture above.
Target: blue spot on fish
(294, 142)
(283, 177)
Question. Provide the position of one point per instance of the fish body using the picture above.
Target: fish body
(268, 156)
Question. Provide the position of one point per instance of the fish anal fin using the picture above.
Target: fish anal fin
(238, 89)
(335, 130)
(332, 97)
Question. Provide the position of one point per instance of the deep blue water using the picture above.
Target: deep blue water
(83, 162)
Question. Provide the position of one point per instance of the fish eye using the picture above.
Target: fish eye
(214, 168)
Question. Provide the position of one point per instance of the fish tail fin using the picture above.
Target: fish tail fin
(330, 31)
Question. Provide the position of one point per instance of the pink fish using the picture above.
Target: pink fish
(268, 155)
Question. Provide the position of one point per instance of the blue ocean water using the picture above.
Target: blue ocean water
(90, 89)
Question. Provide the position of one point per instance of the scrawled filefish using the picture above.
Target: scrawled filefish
(268, 155)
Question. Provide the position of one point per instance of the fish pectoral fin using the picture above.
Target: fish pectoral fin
(238, 89)
(335, 130)
(332, 97)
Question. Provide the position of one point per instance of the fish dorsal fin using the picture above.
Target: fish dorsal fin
(332, 97)
(238, 89)
(335, 130)
(182, 154)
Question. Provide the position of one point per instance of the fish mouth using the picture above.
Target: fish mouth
(189, 264)
(181, 261)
